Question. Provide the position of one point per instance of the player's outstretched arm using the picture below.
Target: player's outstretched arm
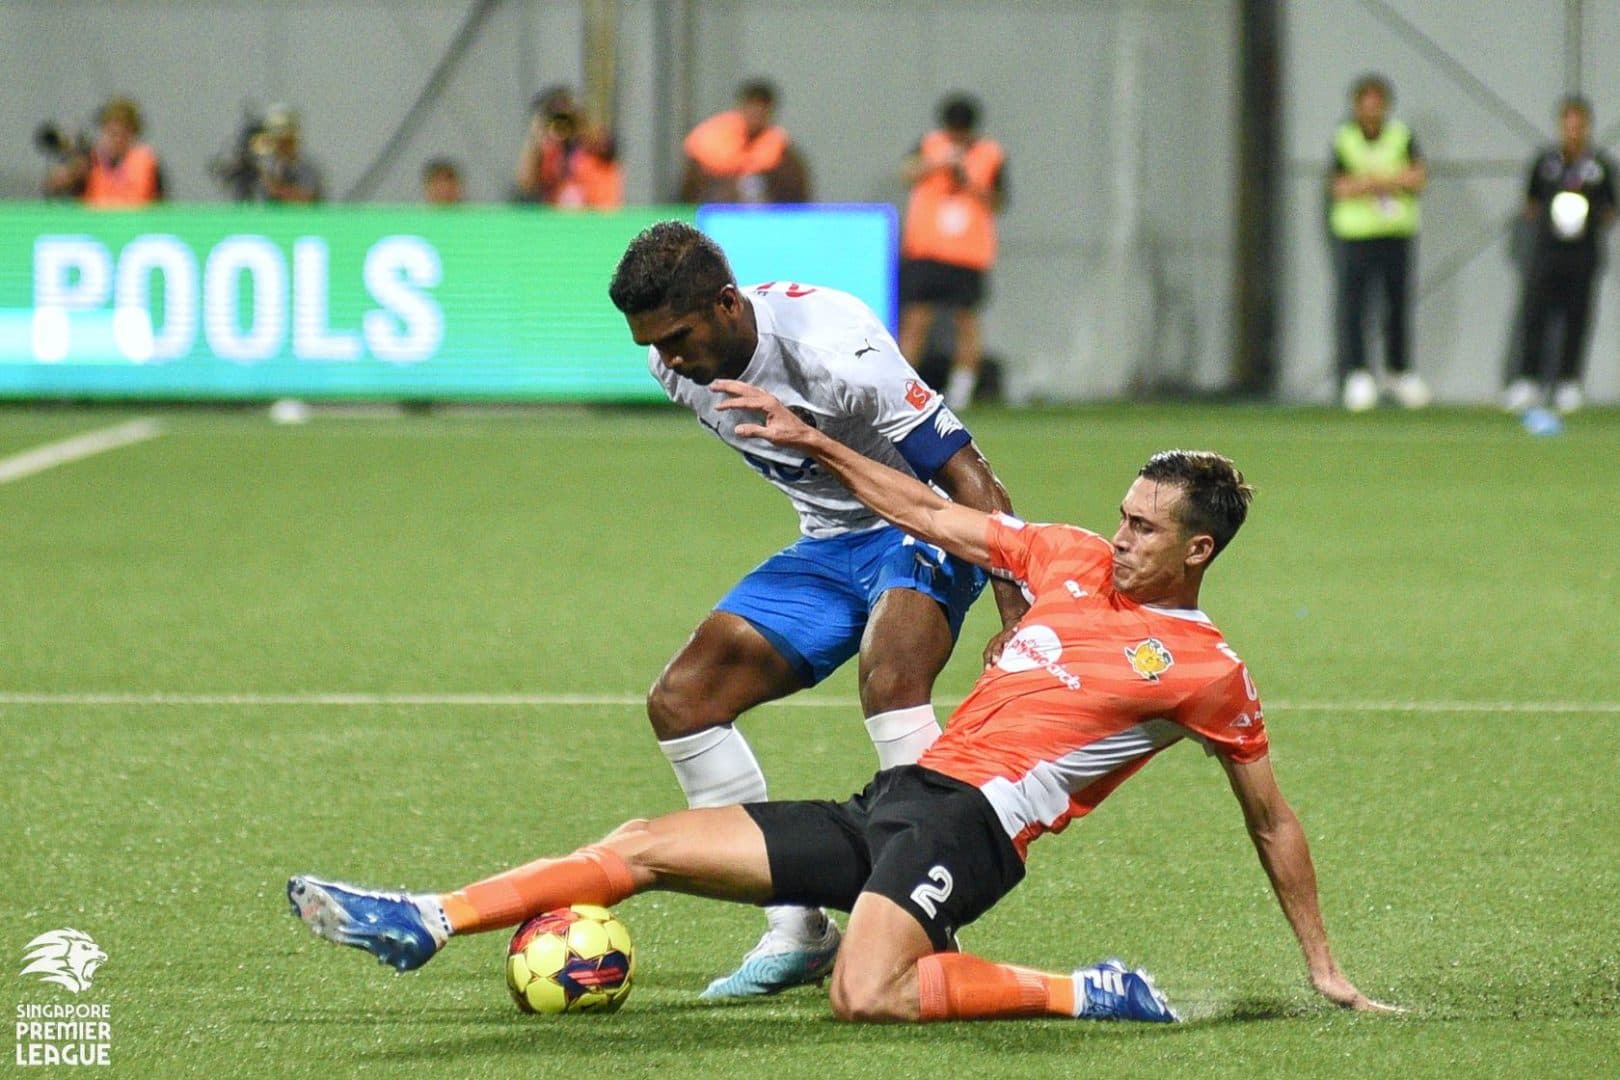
(968, 479)
(897, 498)
(1280, 842)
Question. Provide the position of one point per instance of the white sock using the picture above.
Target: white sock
(433, 914)
(901, 735)
(801, 925)
(715, 767)
(959, 388)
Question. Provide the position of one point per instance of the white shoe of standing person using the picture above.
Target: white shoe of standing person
(1360, 390)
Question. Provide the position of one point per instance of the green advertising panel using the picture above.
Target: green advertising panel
(325, 302)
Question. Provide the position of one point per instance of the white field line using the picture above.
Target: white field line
(538, 700)
(89, 444)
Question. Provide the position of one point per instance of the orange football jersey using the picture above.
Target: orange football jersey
(1090, 687)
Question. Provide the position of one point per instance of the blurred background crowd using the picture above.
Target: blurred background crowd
(1212, 197)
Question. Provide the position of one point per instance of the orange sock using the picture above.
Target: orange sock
(955, 986)
(591, 875)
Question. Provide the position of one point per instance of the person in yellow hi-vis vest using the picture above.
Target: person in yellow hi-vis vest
(1377, 177)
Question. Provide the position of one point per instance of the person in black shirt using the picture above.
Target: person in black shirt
(1571, 201)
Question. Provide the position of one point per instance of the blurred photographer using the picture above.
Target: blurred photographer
(280, 172)
(114, 171)
(566, 161)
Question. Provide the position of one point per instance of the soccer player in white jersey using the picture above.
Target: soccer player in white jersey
(851, 585)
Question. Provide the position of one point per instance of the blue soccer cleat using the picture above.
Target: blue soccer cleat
(388, 925)
(1109, 991)
(778, 963)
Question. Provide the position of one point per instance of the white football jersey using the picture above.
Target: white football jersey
(826, 354)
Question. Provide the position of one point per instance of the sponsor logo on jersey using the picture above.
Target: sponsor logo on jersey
(1037, 646)
(1074, 587)
(1149, 659)
(917, 395)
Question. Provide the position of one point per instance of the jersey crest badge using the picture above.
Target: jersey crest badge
(1149, 659)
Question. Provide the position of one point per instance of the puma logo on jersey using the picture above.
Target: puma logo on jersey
(1149, 659)
(869, 348)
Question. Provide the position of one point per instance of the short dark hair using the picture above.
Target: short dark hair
(959, 112)
(1372, 82)
(760, 90)
(555, 100)
(670, 263)
(440, 166)
(1215, 496)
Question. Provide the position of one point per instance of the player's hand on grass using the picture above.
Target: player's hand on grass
(1339, 990)
(780, 425)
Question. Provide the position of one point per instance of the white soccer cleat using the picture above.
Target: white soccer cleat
(778, 963)
(1411, 391)
(1360, 391)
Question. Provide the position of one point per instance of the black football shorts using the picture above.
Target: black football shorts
(928, 842)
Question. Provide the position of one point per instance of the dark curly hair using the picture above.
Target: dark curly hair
(1216, 497)
(670, 263)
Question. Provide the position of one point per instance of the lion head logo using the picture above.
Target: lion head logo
(66, 957)
(1149, 659)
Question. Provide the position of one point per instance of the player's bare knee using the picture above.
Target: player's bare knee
(888, 686)
(676, 711)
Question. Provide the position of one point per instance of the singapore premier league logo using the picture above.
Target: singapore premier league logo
(66, 957)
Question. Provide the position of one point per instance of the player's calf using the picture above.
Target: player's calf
(862, 995)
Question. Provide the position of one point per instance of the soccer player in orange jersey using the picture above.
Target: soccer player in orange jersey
(1113, 662)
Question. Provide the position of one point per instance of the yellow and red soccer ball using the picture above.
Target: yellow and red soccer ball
(574, 959)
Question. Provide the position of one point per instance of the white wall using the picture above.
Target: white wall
(1479, 127)
(1117, 116)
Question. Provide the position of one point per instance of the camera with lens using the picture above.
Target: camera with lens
(61, 144)
(239, 168)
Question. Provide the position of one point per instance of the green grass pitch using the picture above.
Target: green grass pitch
(1429, 604)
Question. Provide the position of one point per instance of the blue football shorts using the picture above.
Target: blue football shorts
(811, 600)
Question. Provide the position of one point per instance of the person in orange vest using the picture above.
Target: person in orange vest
(118, 171)
(566, 161)
(743, 155)
(958, 184)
